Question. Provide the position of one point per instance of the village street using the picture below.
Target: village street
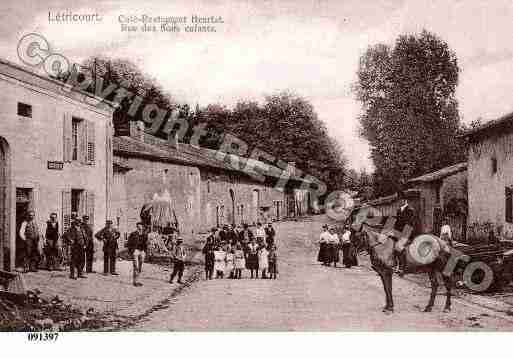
(308, 296)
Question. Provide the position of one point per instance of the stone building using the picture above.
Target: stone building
(431, 195)
(490, 174)
(443, 192)
(204, 190)
(55, 154)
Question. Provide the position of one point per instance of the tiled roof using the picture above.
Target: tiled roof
(440, 174)
(410, 193)
(27, 75)
(193, 156)
(502, 123)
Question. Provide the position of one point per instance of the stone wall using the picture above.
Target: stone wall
(146, 178)
(232, 198)
(486, 190)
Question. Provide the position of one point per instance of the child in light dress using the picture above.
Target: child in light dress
(230, 258)
(219, 262)
(263, 261)
(240, 261)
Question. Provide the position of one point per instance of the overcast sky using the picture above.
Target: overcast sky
(311, 47)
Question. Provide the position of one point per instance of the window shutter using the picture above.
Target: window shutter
(509, 205)
(82, 152)
(91, 143)
(66, 130)
(66, 210)
(90, 206)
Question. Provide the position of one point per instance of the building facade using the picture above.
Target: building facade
(55, 154)
(204, 191)
(443, 193)
(490, 174)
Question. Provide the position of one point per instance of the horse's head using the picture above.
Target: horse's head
(368, 233)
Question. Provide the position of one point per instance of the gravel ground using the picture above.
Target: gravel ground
(308, 296)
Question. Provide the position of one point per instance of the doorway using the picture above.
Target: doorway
(5, 209)
(256, 204)
(232, 196)
(24, 203)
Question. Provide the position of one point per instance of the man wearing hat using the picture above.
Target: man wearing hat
(74, 237)
(109, 236)
(407, 224)
(179, 254)
(89, 244)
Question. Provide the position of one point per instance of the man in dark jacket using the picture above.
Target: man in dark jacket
(89, 244)
(208, 251)
(269, 235)
(137, 246)
(109, 236)
(52, 237)
(406, 223)
(74, 237)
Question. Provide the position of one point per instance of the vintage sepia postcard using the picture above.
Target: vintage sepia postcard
(255, 166)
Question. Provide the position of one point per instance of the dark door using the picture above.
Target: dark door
(4, 211)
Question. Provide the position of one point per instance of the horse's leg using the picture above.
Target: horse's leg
(381, 276)
(434, 289)
(447, 283)
(390, 297)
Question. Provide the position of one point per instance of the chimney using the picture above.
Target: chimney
(292, 168)
(137, 130)
(173, 139)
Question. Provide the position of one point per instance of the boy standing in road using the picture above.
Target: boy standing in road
(137, 245)
(179, 254)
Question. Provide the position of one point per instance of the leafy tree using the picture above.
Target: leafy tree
(285, 126)
(410, 113)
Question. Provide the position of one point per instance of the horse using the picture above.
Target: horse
(383, 254)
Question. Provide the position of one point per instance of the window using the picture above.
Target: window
(494, 165)
(24, 109)
(438, 191)
(77, 201)
(79, 140)
(509, 204)
(75, 134)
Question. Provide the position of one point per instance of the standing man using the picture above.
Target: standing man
(51, 242)
(89, 244)
(406, 220)
(109, 236)
(137, 245)
(208, 251)
(75, 239)
(179, 254)
(29, 233)
(269, 234)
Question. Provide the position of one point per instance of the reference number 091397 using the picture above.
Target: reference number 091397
(42, 337)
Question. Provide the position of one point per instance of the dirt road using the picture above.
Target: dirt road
(308, 296)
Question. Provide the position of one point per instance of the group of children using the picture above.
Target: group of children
(228, 259)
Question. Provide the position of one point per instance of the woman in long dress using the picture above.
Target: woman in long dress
(348, 249)
(324, 238)
(333, 247)
(219, 263)
(252, 258)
